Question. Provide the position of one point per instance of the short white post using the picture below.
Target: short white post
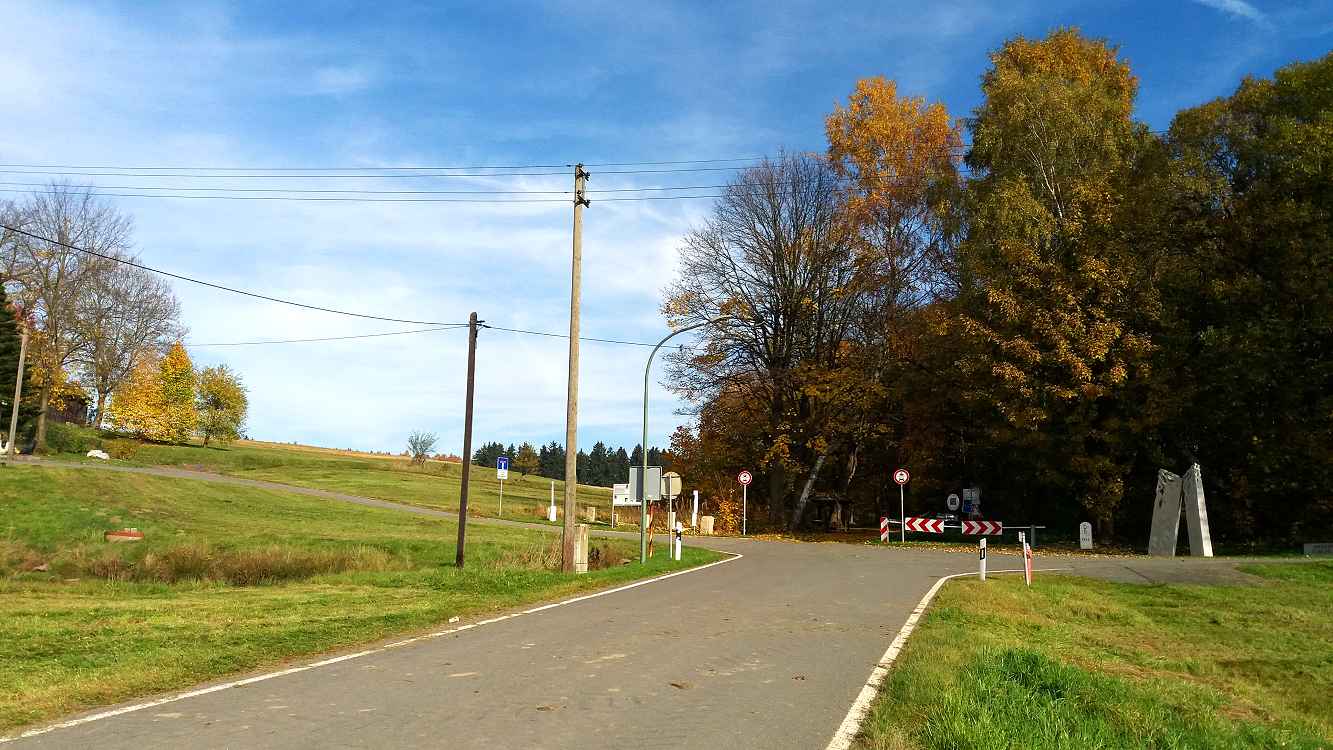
(1085, 535)
(694, 514)
(675, 542)
(550, 512)
(983, 558)
(1027, 558)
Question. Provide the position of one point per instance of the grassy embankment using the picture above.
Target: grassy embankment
(1076, 663)
(394, 478)
(231, 579)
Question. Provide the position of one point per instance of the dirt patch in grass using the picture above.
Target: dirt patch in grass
(197, 562)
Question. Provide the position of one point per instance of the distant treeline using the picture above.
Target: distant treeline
(600, 467)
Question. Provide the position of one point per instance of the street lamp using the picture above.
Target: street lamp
(643, 476)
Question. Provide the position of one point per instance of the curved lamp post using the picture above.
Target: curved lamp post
(643, 476)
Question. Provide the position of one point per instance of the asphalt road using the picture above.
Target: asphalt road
(766, 651)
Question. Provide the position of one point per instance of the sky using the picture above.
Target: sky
(328, 84)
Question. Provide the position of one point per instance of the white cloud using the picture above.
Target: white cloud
(343, 79)
(1238, 8)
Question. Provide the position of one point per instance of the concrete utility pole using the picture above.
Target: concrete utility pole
(572, 395)
(18, 391)
(467, 435)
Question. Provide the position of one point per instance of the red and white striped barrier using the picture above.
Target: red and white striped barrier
(931, 525)
(983, 527)
(884, 529)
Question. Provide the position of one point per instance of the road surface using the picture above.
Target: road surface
(766, 651)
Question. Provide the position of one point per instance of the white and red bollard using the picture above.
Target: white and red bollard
(884, 529)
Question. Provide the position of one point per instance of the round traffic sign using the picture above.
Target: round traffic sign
(744, 477)
(953, 502)
(902, 476)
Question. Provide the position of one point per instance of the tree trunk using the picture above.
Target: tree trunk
(777, 494)
(39, 439)
(101, 409)
(801, 501)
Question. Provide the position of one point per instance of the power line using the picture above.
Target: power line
(211, 285)
(333, 338)
(334, 199)
(440, 168)
(566, 336)
(345, 175)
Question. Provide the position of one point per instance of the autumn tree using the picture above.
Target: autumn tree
(1249, 335)
(121, 313)
(776, 255)
(136, 407)
(222, 404)
(1056, 299)
(179, 382)
(526, 461)
(52, 276)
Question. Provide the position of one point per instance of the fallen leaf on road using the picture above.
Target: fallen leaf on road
(799, 677)
(682, 685)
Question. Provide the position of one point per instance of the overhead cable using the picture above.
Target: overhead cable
(211, 285)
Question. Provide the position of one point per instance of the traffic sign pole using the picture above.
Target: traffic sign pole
(501, 511)
(902, 516)
(902, 477)
(745, 477)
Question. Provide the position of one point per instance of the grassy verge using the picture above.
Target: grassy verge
(86, 623)
(393, 478)
(1076, 663)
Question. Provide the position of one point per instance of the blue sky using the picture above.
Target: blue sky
(394, 84)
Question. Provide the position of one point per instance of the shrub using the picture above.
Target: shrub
(122, 448)
(68, 438)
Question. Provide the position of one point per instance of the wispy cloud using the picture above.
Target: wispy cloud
(1237, 8)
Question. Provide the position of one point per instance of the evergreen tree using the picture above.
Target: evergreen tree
(554, 467)
(487, 453)
(599, 466)
(619, 466)
(636, 457)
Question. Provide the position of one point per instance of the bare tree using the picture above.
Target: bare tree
(51, 276)
(124, 313)
(420, 445)
(777, 254)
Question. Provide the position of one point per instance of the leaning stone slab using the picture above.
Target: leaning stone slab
(1165, 516)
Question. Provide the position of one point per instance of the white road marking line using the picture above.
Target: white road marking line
(851, 723)
(325, 662)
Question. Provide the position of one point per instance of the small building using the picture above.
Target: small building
(72, 409)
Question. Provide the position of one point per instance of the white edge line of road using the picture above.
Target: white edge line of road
(851, 723)
(348, 657)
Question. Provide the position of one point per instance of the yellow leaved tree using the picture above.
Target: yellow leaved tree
(157, 400)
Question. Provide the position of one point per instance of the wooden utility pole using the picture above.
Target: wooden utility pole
(467, 435)
(18, 391)
(572, 395)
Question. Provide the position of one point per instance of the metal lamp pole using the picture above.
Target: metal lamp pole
(643, 476)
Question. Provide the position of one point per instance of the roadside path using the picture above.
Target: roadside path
(768, 651)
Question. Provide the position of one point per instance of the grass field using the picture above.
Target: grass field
(434, 485)
(1076, 663)
(230, 579)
